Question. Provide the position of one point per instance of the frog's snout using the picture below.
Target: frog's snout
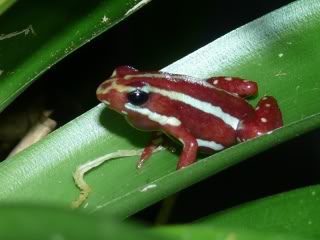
(103, 90)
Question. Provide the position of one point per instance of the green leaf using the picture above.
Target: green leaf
(296, 212)
(34, 35)
(280, 51)
(5, 5)
(194, 232)
(54, 223)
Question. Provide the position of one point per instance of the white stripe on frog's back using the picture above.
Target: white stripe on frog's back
(156, 117)
(198, 104)
(181, 97)
(172, 77)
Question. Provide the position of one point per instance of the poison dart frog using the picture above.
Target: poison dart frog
(203, 114)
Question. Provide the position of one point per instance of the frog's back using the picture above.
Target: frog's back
(210, 114)
(198, 94)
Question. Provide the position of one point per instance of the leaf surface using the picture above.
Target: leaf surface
(295, 212)
(280, 51)
(34, 35)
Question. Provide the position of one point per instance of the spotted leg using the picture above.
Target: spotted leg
(267, 117)
(190, 145)
(241, 87)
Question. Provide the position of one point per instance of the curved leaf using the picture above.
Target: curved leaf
(21, 222)
(279, 50)
(5, 5)
(53, 223)
(221, 233)
(294, 212)
(34, 35)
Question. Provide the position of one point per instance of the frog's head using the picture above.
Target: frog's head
(129, 92)
(124, 89)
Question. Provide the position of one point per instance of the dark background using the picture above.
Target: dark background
(155, 36)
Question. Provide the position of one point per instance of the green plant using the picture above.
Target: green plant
(271, 50)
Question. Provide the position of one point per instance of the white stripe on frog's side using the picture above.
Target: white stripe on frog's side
(198, 104)
(161, 119)
(210, 144)
(193, 102)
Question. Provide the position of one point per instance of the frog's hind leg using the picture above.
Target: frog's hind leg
(266, 118)
(235, 85)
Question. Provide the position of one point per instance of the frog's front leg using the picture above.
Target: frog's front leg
(189, 142)
(239, 86)
(156, 140)
(266, 118)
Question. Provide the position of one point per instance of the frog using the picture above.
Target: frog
(204, 115)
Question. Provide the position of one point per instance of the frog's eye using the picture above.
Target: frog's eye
(138, 97)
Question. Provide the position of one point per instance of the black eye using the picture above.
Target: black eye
(138, 97)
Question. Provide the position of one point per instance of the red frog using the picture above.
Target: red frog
(203, 114)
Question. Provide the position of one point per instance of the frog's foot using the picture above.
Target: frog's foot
(266, 118)
(156, 140)
(235, 85)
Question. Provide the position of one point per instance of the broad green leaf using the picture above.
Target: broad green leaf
(295, 212)
(34, 35)
(280, 51)
(5, 5)
(195, 232)
(18, 222)
(35, 222)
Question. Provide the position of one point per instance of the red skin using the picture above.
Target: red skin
(195, 123)
(238, 86)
